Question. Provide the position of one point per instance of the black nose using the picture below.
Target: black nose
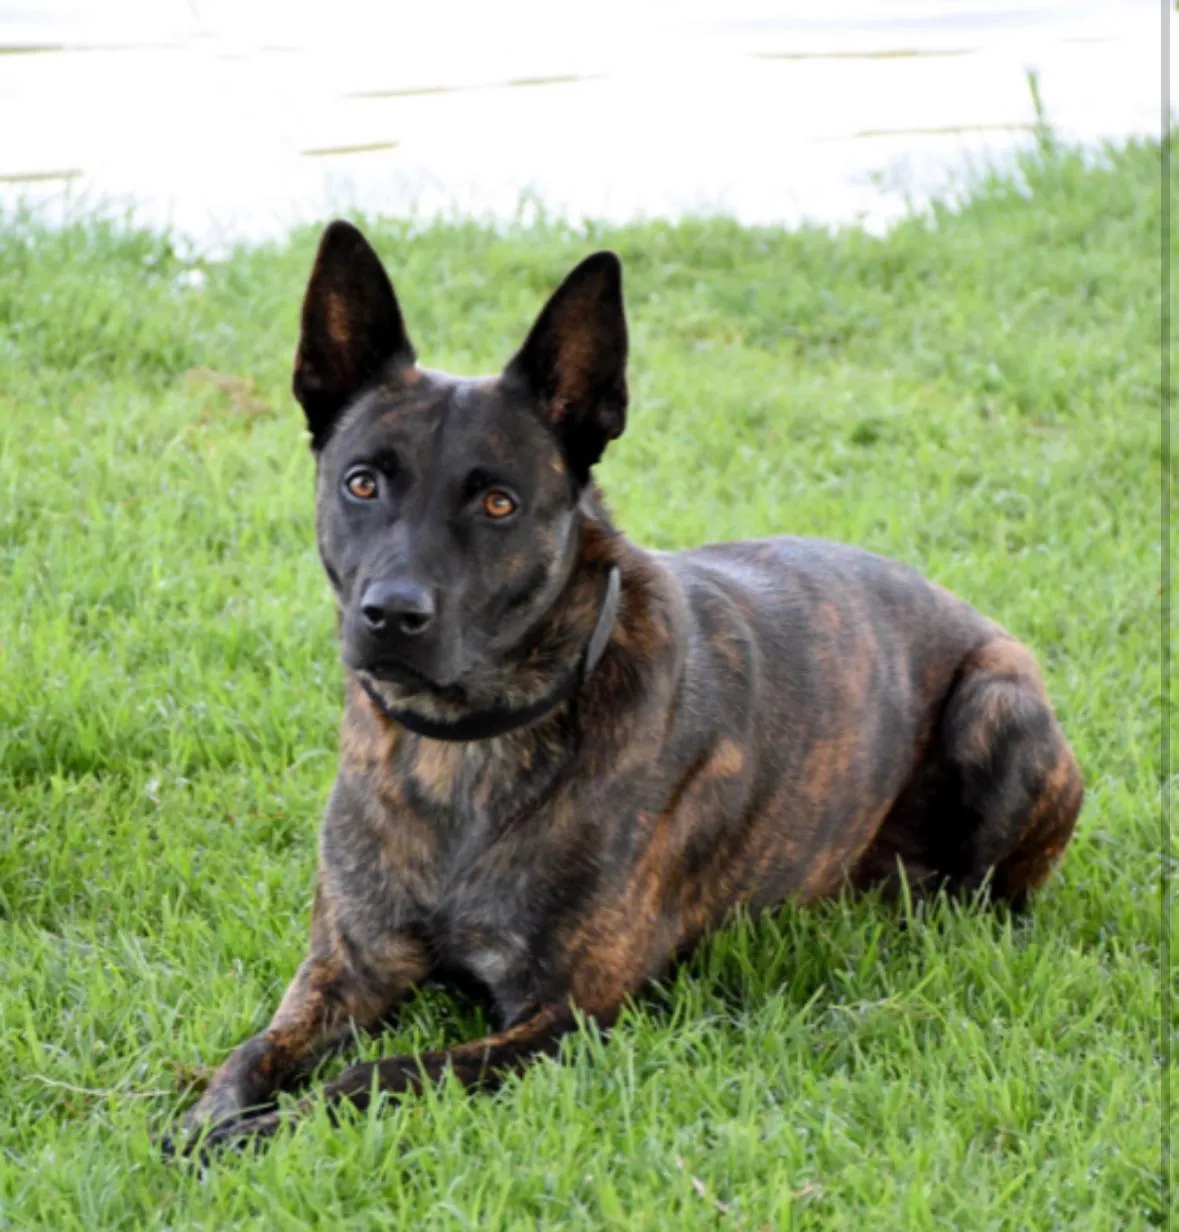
(405, 607)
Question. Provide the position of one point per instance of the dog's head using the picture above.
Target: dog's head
(447, 507)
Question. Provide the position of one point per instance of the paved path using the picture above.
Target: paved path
(234, 118)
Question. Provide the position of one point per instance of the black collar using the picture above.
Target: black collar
(497, 720)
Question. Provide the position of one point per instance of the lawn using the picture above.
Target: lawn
(975, 393)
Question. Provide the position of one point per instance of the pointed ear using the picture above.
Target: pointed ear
(351, 328)
(574, 361)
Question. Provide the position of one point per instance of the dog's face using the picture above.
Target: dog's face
(447, 507)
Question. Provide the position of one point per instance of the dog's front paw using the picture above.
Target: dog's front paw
(212, 1117)
(186, 1140)
(197, 1143)
(240, 1132)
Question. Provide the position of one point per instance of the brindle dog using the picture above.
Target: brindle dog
(564, 758)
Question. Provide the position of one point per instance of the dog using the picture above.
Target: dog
(565, 759)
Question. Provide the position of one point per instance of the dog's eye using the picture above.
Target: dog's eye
(361, 483)
(498, 505)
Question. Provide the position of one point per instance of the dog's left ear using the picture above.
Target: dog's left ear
(574, 361)
(352, 327)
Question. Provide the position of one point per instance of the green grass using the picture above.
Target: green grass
(976, 394)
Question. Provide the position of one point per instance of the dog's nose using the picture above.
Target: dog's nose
(404, 607)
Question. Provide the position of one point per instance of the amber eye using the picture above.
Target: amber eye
(361, 483)
(498, 505)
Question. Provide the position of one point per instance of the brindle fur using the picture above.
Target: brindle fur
(770, 719)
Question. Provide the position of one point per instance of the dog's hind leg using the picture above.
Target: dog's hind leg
(996, 796)
(1017, 782)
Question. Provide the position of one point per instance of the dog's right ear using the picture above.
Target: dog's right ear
(351, 328)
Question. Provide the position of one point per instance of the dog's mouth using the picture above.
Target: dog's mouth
(409, 681)
(396, 672)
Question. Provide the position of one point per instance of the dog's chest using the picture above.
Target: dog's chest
(480, 917)
(481, 925)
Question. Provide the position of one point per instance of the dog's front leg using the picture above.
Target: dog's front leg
(481, 1064)
(331, 992)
